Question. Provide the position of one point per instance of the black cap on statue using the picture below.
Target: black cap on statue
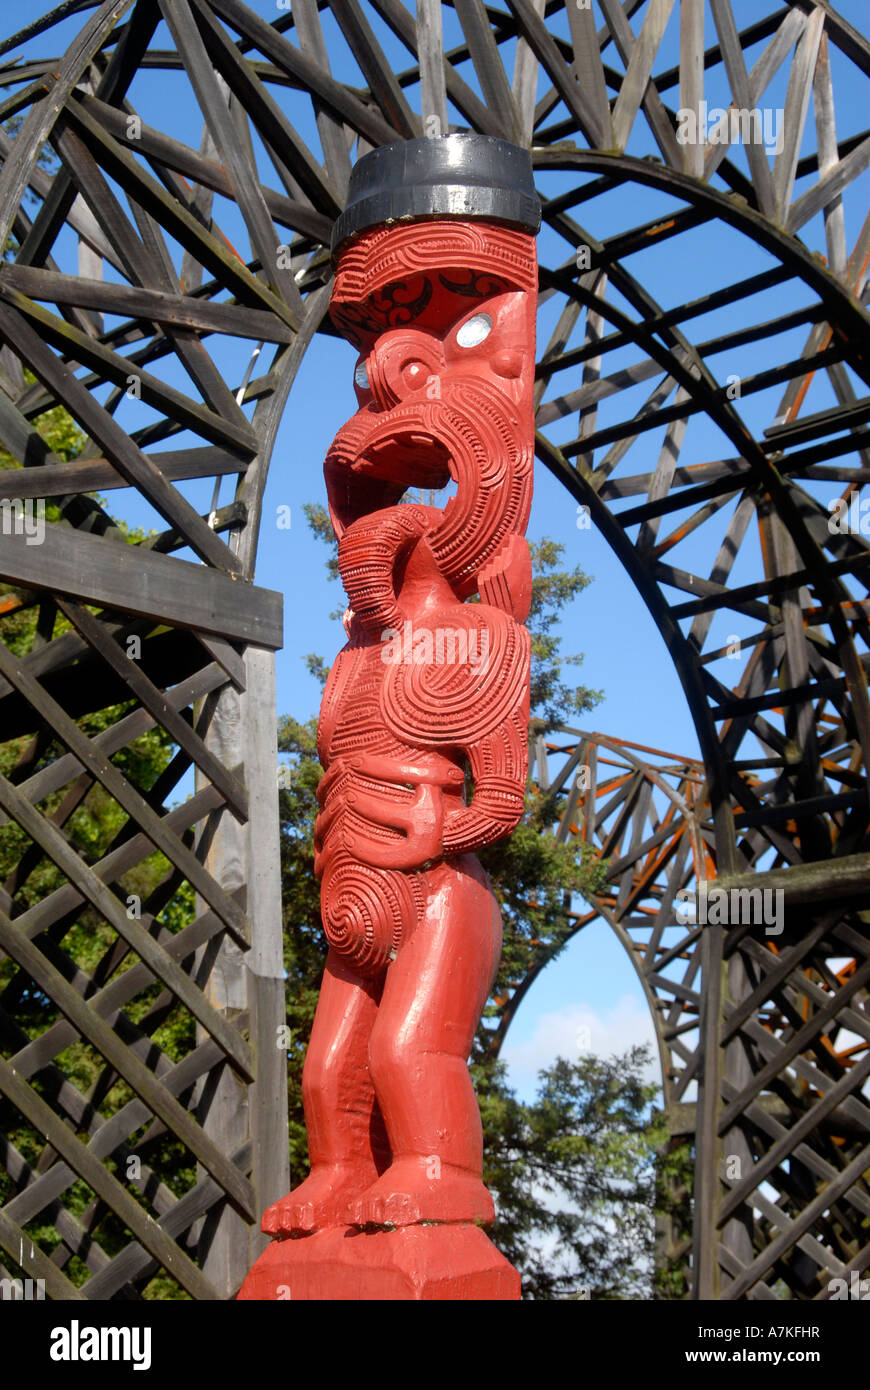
(465, 176)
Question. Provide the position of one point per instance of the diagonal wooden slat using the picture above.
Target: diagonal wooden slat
(653, 409)
(542, 46)
(117, 445)
(134, 1262)
(286, 148)
(246, 191)
(125, 794)
(594, 391)
(41, 117)
(796, 1228)
(147, 264)
(104, 1184)
(457, 90)
(376, 68)
(165, 153)
(742, 92)
(826, 136)
(74, 1235)
(125, 1062)
(172, 214)
(625, 42)
(589, 68)
(488, 66)
(74, 344)
(334, 95)
(35, 1264)
(333, 133)
(723, 563)
(156, 703)
(525, 77)
(786, 1052)
(662, 479)
(759, 78)
(797, 100)
(826, 194)
(64, 903)
(692, 75)
(639, 69)
(150, 304)
(112, 997)
(593, 329)
(107, 1138)
(430, 45)
(803, 1154)
(91, 887)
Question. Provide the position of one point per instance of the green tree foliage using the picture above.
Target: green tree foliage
(675, 1173)
(574, 1176)
(304, 942)
(553, 590)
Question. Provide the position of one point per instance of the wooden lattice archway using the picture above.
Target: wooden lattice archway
(123, 268)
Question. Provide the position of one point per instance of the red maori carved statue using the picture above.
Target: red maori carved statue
(423, 725)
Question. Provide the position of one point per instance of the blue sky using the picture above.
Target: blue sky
(592, 984)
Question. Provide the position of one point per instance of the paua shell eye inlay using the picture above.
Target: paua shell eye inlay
(474, 330)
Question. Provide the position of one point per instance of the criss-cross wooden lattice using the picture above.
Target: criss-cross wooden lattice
(707, 421)
(797, 1160)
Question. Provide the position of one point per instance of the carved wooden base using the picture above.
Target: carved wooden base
(451, 1261)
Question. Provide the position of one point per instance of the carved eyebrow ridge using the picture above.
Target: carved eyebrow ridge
(477, 286)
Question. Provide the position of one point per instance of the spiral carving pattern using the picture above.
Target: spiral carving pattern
(365, 911)
(474, 678)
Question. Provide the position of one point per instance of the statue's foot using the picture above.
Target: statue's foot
(422, 1189)
(321, 1200)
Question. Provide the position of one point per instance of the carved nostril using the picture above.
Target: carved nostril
(507, 363)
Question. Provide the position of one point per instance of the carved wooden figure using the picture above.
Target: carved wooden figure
(423, 725)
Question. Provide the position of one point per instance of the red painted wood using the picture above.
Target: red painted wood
(428, 688)
(424, 1263)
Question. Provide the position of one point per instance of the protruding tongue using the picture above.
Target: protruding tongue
(368, 555)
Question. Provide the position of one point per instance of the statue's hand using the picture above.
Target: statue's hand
(421, 822)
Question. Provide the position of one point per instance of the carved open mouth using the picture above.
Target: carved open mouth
(381, 470)
(412, 459)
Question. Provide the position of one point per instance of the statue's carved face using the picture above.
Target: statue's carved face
(449, 332)
(446, 359)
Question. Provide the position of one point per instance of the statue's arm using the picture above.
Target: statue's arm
(499, 766)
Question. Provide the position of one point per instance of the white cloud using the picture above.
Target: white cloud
(571, 1031)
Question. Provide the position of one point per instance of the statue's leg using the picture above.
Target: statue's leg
(433, 997)
(347, 1141)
